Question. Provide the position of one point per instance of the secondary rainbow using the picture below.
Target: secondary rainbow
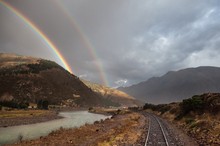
(86, 42)
(42, 35)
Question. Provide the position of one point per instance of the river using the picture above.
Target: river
(12, 134)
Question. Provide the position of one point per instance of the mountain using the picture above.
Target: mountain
(113, 94)
(30, 80)
(176, 85)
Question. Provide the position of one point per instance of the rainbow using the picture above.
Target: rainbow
(42, 35)
(85, 41)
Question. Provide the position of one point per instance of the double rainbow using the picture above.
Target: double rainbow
(52, 46)
(42, 35)
(85, 40)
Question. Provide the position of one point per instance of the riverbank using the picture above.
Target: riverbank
(24, 117)
(122, 129)
(107, 111)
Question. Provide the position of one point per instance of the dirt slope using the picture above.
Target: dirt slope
(113, 94)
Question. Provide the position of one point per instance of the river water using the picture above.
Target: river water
(72, 119)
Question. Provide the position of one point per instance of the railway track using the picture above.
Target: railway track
(159, 133)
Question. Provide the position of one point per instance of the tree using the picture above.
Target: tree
(42, 104)
(45, 104)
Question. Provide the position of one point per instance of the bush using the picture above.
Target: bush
(14, 104)
(174, 110)
(148, 106)
(42, 104)
(23, 105)
(160, 108)
(45, 104)
(164, 109)
(189, 120)
(192, 104)
(195, 104)
(90, 108)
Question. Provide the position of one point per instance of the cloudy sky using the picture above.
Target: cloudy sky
(127, 41)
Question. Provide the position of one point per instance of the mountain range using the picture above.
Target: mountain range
(30, 80)
(176, 85)
(112, 94)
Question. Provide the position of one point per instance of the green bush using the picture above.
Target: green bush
(164, 109)
(195, 104)
(148, 106)
(189, 120)
(23, 105)
(192, 104)
(174, 110)
(42, 104)
(14, 104)
(160, 108)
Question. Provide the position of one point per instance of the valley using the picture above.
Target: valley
(109, 73)
(28, 80)
(38, 91)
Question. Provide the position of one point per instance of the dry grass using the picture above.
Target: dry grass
(121, 130)
(204, 128)
(126, 133)
(22, 113)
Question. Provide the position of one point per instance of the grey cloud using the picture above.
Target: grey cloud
(134, 40)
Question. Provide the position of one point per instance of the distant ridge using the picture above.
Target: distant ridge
(176, 85)
(113, 94)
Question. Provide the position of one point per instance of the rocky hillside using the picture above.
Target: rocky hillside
(29, 80)
(113, 94)
(198, 116)
(176, 85)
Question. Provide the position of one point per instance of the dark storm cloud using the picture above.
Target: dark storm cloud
(134, 40)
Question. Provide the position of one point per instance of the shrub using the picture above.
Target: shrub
(164, 109)
(195, 104)
(14, 104)
(148, 106)
(189, 120)
(23, 105)
(45, 104)
(192, 104)
(174, 110)
(90, 108)
(160, 108)
(42, 104)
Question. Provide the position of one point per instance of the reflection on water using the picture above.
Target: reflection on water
(32, 131)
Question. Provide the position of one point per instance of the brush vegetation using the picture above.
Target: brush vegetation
(198, 116)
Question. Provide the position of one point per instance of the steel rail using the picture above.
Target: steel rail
(161, 128)
(148, 132)
(164, 135)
